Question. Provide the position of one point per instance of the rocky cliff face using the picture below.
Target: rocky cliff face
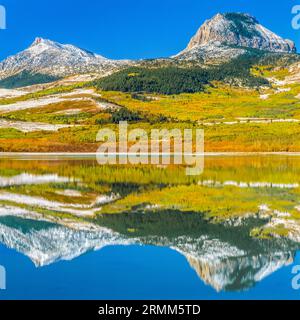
(230, 34)
(240, 30)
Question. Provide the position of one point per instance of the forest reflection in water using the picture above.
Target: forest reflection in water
(235, 225)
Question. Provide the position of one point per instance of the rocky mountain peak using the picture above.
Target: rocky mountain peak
(52, 58)
(240, 30)
(38, 41)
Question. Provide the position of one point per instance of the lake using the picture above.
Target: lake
(72, 229)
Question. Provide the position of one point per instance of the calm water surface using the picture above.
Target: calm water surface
(70, 229)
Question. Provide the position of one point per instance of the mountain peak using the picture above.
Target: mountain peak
(41, 41)
(37, 41)
(53, 58)
(41, 45)
(240, 30)
(243, 17)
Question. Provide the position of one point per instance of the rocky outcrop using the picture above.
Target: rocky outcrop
(240, 30)
(226, 36)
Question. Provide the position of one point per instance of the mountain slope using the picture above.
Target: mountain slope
(234, 42)
(55, 59)
(229, 35)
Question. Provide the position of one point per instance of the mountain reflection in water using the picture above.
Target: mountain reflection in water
(52, 211)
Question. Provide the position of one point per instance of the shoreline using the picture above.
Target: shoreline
(89, 155)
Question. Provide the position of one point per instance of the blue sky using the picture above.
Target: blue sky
(129, 28)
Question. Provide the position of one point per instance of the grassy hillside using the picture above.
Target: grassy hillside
(235, 117)
(218, 103)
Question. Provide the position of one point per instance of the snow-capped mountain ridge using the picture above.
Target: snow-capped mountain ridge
(52, 58)
(41, 45)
